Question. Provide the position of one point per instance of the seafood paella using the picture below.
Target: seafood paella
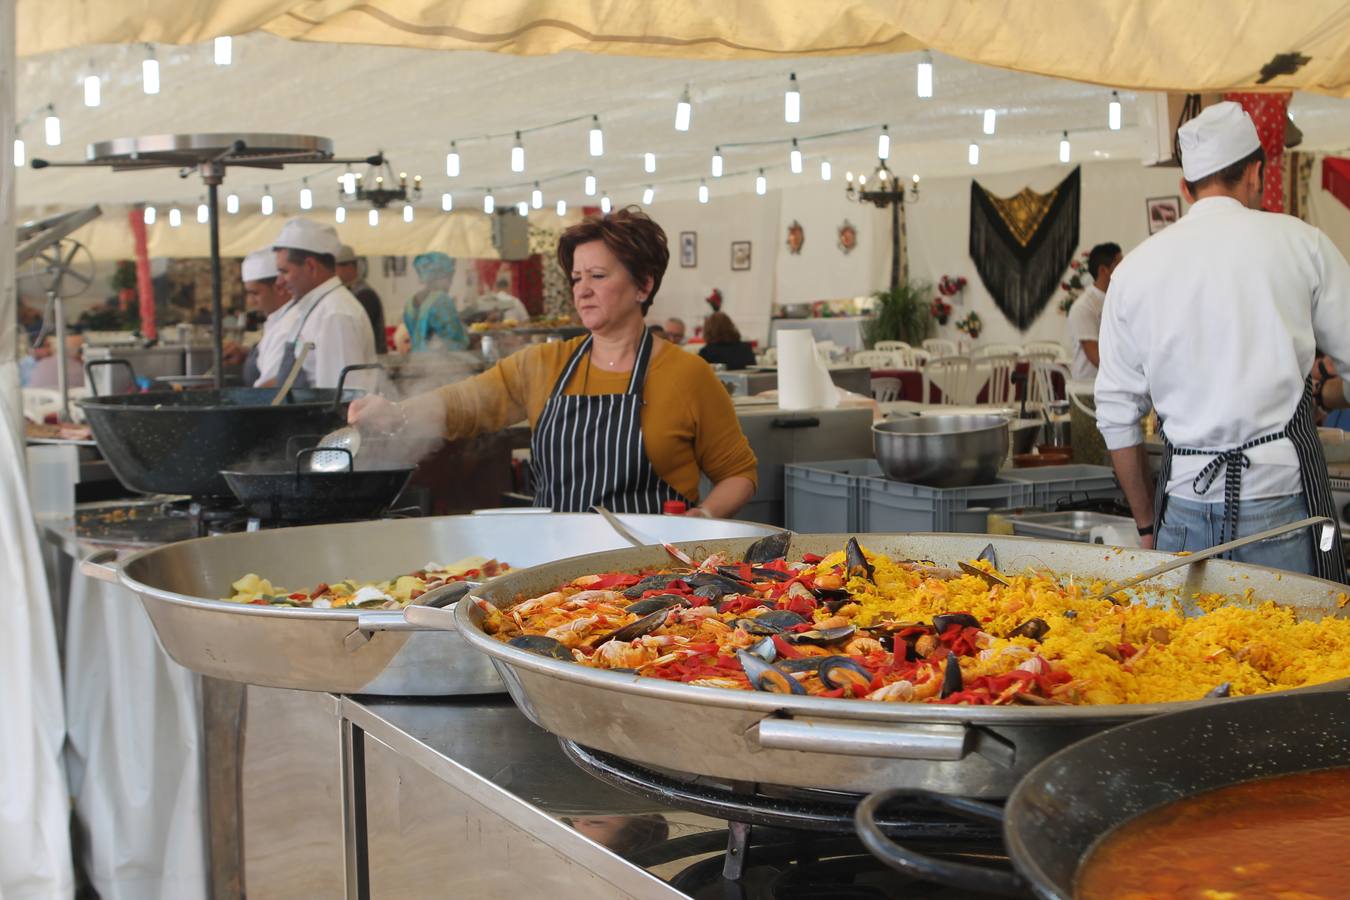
(394, 593)
(860, 625)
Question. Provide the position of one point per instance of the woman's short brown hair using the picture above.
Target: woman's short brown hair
(719, 329)
(632, 236)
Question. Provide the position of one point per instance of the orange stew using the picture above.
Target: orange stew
(1282, 837)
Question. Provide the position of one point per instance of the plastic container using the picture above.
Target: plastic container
(822, 497)
(894, 506)
(1050, 484)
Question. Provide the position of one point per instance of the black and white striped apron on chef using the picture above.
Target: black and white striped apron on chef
(1312, 468)
(588, 451)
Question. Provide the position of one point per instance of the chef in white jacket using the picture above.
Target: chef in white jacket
(1214, 323)
(262, 290)
(326, 314)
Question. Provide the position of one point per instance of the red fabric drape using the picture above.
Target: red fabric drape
(487, 274)
(527, 280)
(1270, 114)
(144, 287)
(1336, 178)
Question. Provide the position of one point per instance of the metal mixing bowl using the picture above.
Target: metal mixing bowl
(942, 451)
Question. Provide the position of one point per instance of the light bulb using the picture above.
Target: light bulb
(52, 128)
(915, 179)
(649, 162)
(684, 110)
(452, 162)
(1113, 112)
(884, 143)
(447, 202)
(518, 155)
(792, 102)
(203, 214)
(989, 116)
(523, 208)
(348, 183)
(306, 197)
(148, 217)
(882, 175)
(19, 153)
(489, 202)
(973, 155)
(175, 218)
(648, 195)
(150, 75)
(373, 218)
(1064, 148)
(795, 159)
(232, 204)
(862, 179)
(848, 176)
(590, 186)
(224, 50)
(340, 214)
(703, 192)
(826, 171)
(761, 183)
(93, 90)
(537, 197)
(562, 207)
(924, 76)
(717, 163)
(597, 137)
(407, 212)
(265, 205)
(605, 205)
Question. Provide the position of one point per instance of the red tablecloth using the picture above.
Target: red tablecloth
(911, 385)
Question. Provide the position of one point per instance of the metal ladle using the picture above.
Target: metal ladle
(624, 532)
(336, 450)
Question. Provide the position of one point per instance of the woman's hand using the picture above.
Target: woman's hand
(698, 512)
(374, 413)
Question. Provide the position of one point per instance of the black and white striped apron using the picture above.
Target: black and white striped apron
(1312, 468)
(588, 451)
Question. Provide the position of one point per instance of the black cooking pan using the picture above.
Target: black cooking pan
(1059, 811)
(289, 492)
(176, 442)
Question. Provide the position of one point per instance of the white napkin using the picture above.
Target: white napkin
(803, 380)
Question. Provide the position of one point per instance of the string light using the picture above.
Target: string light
(1113, 112)
(340, 214)
(447, 202)
(884, 143)
(826, 171)
(224, 47)
(795, 158)
(649, 162)
(589, 185)
(373, 218)
(348, 182)
(597, 137)
(989, 115)
(232, 204)
(648, 195)
(452, 162)
(20, 154)
(175, 218)
(150, 71)
(973, 155)
(702, 191)
(489, 202)
(523, 208)
(605, 205)
(717, 162)
(93, 90)
(1064, 148)
(562, 208)
(518, 155)
(266, 205)
(306, 195)
(51, 127)
(923, 82)
(407, 212)
(761, 183)
(684, 110)
(203, 214)
(148, 217)
(537, 197)
(792, 102)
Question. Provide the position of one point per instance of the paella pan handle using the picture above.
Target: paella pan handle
(96, 565)
(961, 875)
(342, 379)
(95, 363)
(948, 743)
(310, 451)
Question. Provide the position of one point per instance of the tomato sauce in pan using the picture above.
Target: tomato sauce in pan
(1285, 837)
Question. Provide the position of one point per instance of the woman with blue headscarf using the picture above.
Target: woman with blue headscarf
(430, 314)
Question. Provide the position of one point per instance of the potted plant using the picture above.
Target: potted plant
(123, 281)
(903, 313)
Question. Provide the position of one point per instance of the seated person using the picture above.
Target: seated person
(723, 344)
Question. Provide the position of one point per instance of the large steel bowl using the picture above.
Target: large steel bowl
(942, 451)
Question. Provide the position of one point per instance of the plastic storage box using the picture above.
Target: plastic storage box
(1050, 484)
(822, 497)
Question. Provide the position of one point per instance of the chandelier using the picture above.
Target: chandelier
(886, 189)
(378, 187)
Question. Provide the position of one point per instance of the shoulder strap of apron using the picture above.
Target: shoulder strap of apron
(571, 367)
(309, 312)
(644, 356)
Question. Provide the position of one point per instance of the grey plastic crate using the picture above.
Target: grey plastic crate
(895, 506)
(822, 497)
(1050, 484)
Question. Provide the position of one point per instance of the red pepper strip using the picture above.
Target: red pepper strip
(812, 558)
(299, 596)
(609, 582)
(701, 647)
(740, 605)
(1127, 649)
(802, 606)
(778, 565)
(836, 692)
(798, 629)
(259, 602)
(785, 649)
(475, 572)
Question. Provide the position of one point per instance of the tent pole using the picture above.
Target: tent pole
(217, 312)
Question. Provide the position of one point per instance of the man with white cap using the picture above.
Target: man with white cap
(262, 292)
(1214, 323)
(349, 270)
(326, 314)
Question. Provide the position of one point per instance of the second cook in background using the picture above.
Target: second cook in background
(619, 418)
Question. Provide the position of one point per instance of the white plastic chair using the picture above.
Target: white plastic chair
(1041, 382)
(998, 350)
(886, 390)
(940, 347)
(1054, 350)
(908, 358)
(890, 346)
(952, 376)
(920, 357)
(875, 359)
(996, 372)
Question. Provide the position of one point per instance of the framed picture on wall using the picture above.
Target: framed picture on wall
(740, 256)
(1162, 211)
(688, 249)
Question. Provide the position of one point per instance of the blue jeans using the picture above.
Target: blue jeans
(1188, 525)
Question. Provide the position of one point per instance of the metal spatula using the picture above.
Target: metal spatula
(625, 533)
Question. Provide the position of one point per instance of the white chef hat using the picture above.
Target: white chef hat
(306, 234)
(260, 265)
(1221, 135)
(346, 254)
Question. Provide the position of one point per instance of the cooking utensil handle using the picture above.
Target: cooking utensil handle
(788, 422)
(95, 565)
(1201, 555)
(430, 617)
(947, 743)
(310, 451)
(95, 363)
(444, 595)
(342, 379)
(976, 879)
(618, 526)
(294, 373)
(368, 624)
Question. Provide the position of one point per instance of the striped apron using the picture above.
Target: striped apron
(588, 451)
(1312, 467)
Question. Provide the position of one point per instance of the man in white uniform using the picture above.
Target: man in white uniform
(1214, 321)
(261, 292)
(1085, 316)
(326, 314)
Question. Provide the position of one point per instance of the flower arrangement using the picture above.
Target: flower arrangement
(1073, 286)
(970, 324)
(714, 300)
(950, 287)
(941, 310)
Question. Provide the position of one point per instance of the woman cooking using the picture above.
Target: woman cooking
(619, 418)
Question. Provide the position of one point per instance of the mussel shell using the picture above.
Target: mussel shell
(782, 619)
(946, 620)
(828, 595)
(714, 586)
(989, 555)
(652, 604)
(650, 583)
(802, 664)
(1222, 690)
(1035, 628)
(951, 677)
(634, 630)
(767, 549)
(765, 677)
(766, 574)
(766, 650)
(542, 645)
(855, 562)
(821, 636)
(829, 671)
